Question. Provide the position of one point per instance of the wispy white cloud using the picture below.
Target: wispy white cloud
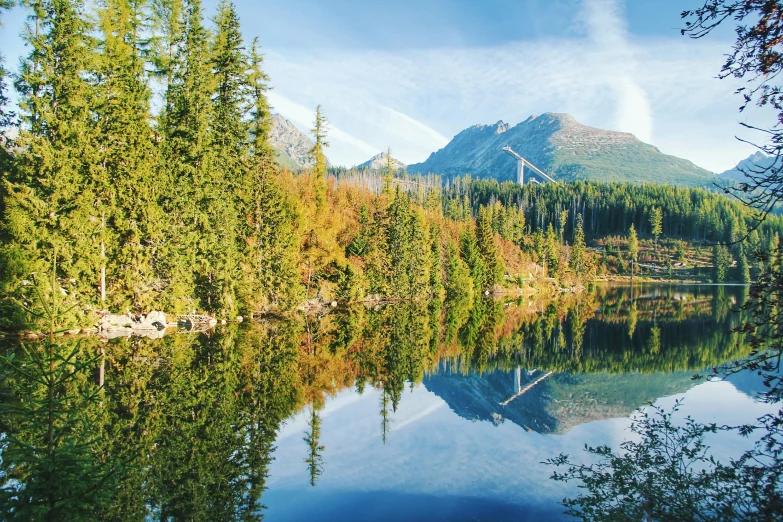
(432, 408)
(662, 89)
(303, 118)
(606, 28)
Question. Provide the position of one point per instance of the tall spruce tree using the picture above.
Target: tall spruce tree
(471, 254)
(552, 251)
(5, 115)
(633, 248)
(656, 224)
(125, 184)
(485, 238)
(743, 267)
(49, 199)
(167, 26)
(320, 126)
(399, 230)
(270, 220)
(227, 176)
(184, 125)
(260, 112)
(388, 173)
(6, 118)
(578, 248)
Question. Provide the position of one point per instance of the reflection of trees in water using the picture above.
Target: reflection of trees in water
(315, 459)
(54, 461)
(196, 417)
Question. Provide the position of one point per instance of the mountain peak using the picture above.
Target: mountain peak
(501, 127)
(563, 148)
(756, 163)
(378, 162)
(293, 146)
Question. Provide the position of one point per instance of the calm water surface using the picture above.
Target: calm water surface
(408, 412)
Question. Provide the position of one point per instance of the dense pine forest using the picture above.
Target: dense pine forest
(619, 219)
(184, 208)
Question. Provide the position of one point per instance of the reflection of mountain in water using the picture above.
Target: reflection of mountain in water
(637, 345)
(557, 403)
(749, 383)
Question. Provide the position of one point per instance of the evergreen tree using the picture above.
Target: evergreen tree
(459, 284)
(721, 261)
(320, 126)
(269, 216)
(229, 67)
(388, 173)
(485, 238)
(539, 249)
(6, 119)
(260, 114)
(315, 457)
(656, 224)
(563, 221)
(186, 144)
(48, 194)
(420, 261)
(552, 251)
(470, 252)
(633, 248)
(361, 242)
(406, 248)
(5, 116)
(52, 467)
(126, 188)
(743, 268)
(224, 196)
(435, 262)
(167, 27)
(578, 249)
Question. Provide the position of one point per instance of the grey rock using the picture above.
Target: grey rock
(152, 318)
(112, 321)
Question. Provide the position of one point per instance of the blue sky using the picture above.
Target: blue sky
(411, 74)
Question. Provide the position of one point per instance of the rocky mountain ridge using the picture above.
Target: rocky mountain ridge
(563, 148)
(756, 163)
(378, 162)
(292, 145)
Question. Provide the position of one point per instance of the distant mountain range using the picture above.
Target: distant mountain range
(756, 163)
(554, 142)
(291, 145)
(564, 149)
(378, 162)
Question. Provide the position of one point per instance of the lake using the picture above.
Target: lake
(411, 411)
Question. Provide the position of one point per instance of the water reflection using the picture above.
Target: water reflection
(185, 427)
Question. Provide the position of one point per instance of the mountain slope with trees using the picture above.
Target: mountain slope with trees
(563, 148)
(189, 209)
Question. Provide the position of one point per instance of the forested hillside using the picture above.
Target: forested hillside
(186, 209)
(670, 220)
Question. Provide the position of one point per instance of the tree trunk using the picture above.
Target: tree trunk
(103, 260)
